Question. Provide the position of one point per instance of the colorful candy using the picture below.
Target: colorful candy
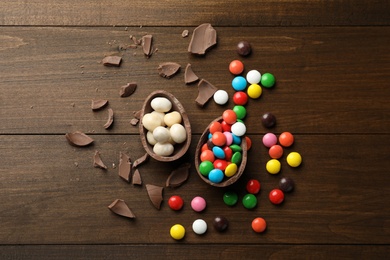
(253, 186)
(268, 120)
(259, 225)
(286, 139)
(254, 91)
(240, 111)
(249, 201)
(294, 159)
(221, 97)
(276, 196)
(198, 204)
(236, 67)
(275, 151)
(239, 83)
(230, 198)
(229, 116)
(269, 139)
(273, 166)
(240, 98)
(286, 184)
(239, 129)
(175, 202)
(220, 223)
(199, 226)
(253, 77)
(244, 48)
(177, 232)
(216, 175)
(267, 80)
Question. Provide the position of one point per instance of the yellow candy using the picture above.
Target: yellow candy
(177, 231)
(294, 159)
(231, 169)
(273, 166)
(254, 91)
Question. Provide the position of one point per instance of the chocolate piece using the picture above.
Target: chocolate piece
(128, 89)
(98, 104)
(137, 114)
(78, 139)
(286, 184)
(178, 176)
(112, 61)
(124, 167)
(136, 180)
(203, 38)
(147, 44)
(220, 223)
(185, 33)
(141, 160)
(189, 75)
(244, 48)
(134, 121)
(97, 161)
(205, 91)
(110, 119)
(268, 120)
(168, 69)
(120, 208)
(155, 194)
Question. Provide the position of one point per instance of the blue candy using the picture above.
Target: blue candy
(236, 139)
(218, 152)
(216, 175)
(239, 83)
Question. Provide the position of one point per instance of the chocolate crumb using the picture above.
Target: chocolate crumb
(178, 176)
(205, 91)
(168, 69)
(189, 75)
(203, 38)
(136, 180)
(112, 61)
(128, 89)
(97, 161)
(78, 139)
(110, 119)
(137, 114)
(120, 208)
(134, 121)
(141, 160)
(155, 195)
(147, 44)
(185, 33)
(98, 104)
(124, 167)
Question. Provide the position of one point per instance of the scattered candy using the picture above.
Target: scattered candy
(275, 151)
(177, 232)
(248, 143)
(239, 129)
(259, 225)
(240, 98)
(215, 127)
(253, 77)
(199, 226)
(244, 48)
(254, 91)
(239, 83)
(273, 166)
(175, 202)
(294, 159)
(286, 139)
(253, 186)
(220, 223)
(286, 184)
(249, 201)
(230, 198)
(236, 67)
(267, 80)
(221, 97)
(229, 116)
(268, 120)
(276, 196)
(269, 139)
(240, 111)
(198, 204)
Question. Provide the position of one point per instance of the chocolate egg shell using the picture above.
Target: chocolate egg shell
(227, 181)
(180, 149)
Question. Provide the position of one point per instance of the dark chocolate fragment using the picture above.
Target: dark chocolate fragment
(97, 161)
(125, 167)
(268, 120)
(203, 38)
(286, 184)
(110, 119)
(178, 176)
(78, 139)
(128, 89)
(189, 75)
(136, 180)
(120, 208)
(147, 44)
(112, 61)
(244, 48)
(98, 104)
(168, 69)
(220, 223)
(134, 121)
(205, 91)
(141, 160)
(155, 194)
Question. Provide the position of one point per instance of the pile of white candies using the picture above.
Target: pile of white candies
(164, 127)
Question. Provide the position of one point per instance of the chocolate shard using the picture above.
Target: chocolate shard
(141, 160)
(168, 69)
(110, 119)
(137, 114)
(178, 176)
(185, 33)
(120, 208)
(112, 61)
(98, 104)
(136, 180)
(203, 38)
(78, 139)
(205, 91)
(128, 89)
(189, 75)
(155, 194)
(134, 121)
(97, 161)
(124, 167)
(147, 44)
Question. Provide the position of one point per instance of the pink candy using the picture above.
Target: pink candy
(198, 204)
(269, 140)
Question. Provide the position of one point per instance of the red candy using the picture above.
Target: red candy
(248, 143)
(175, 202)
(276, 196)
(228, 153)
(240, 98)
(236, 67)
(286, 139)
(218, 138)
(207, 155)
(226, 127)
(229, 116)
(205, 147)
(220, 164)
(215, 127)
(276, 151)
(253, 186)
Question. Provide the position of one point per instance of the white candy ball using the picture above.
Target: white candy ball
(161, 134)
(163, 149)
(178, 133)
(172, 118)
(151, 121)
(160, 115)
(221, 97)
(161, 104)
(238, 128)
(253, 77)
(199, 226)
(150, 138)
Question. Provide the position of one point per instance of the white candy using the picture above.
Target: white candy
(163, 149)
(161, 134)
(150, 138)
(151, 121)
(199, 226)
(160, 115)
(238, 128)
(221, 97)
(253, 77)
(172, 118)
(161, 104)
(178, 133)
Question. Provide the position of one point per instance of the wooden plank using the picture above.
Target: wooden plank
(183, 251)
(51, 194)
(329, 79)
(181, 13)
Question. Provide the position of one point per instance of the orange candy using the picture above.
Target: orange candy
(248, 143)
(236, 67)
(204, 147)
(218, 138)
(207, 155)
(286, 139)
(229, 116)
(259, 225)
(215, 127)
(275, 151)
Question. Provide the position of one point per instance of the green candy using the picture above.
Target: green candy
(205, 167)
(267, 80)
(236, 158)
(240, 111)
(235, 148)
(249, 201)
(230, 198)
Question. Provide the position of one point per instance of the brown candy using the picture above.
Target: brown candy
(203, 38)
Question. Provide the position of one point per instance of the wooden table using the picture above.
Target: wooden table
(331, 60)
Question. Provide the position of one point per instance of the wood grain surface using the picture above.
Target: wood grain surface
(331, 62)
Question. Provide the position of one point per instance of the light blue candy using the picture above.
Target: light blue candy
(239, 83)
(236, 139)
(216, 175)
(218, 152)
